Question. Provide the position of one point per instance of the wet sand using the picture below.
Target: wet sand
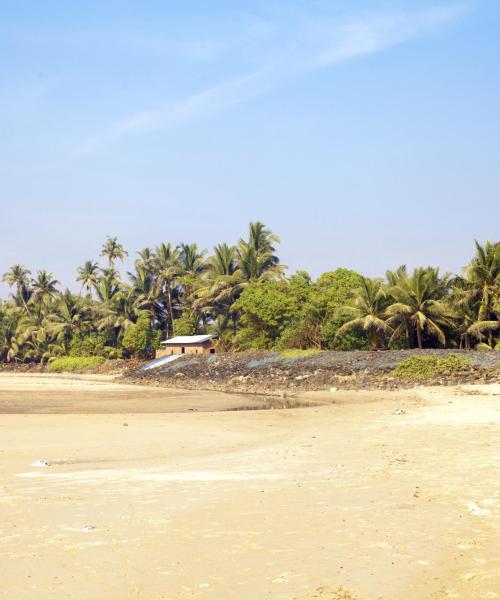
(391, 495)
(98, 394)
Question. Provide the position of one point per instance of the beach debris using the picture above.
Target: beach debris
(125, 424)
(476, 510)
(399, 411)
(88, 528)
(40, 463)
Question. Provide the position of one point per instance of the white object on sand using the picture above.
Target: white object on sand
(40, 463)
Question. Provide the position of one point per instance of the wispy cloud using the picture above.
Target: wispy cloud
(309, 45)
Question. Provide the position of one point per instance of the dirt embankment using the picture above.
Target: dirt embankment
(274, 373)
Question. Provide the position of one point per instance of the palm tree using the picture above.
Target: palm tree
(192, 265)
(145, 259)
(419, 306)
(262, 239)
(476, 293)
(10, 342)
(19, 276)
(256, 258)
(167, 269)
(143, 285)
(70, 317)
(44, 288)
(191, 260)
(368, 312)
(224, 262)
(113, 250)
(220, 286)
(482, 277)
(88, 274)
(107, 286)
(119, 312)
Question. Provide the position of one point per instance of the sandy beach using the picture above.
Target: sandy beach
(162, 494)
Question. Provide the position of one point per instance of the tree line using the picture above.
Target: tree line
(240, 293)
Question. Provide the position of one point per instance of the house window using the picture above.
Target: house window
(212, 350)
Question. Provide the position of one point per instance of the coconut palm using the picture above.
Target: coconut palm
(118, 313)
(18, 276)
(368, 311)
(419, 306)
(191, 260)
(482, 277)
(256, 258)
(113, 251)
(44, 288)
(10, 338)
(144, 288)
(166, 268)
(221, 284)
(145, 260)
(88, 275)
(70, 317)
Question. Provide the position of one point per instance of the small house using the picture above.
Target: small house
(187, 344)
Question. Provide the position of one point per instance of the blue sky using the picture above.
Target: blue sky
(365, 133)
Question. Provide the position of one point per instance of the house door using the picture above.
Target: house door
(183, 350)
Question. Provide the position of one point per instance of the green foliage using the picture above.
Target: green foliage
(74, 364)
(92, 344)
(187, 324)
(266, 308)
(353, 339)
(426, 367)
(294, 353)
(138, 338)
(240, 294)
(331, 291)
(483, 347)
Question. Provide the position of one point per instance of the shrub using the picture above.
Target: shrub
(138, 338)
(74, 364)
(93, 344)
(483, 347)
(186, 325)
(293, 353)
(424, 367)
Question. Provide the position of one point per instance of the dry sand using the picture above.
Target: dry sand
(392, 495)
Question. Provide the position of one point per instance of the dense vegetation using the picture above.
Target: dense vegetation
(241, 294)
(425, 367)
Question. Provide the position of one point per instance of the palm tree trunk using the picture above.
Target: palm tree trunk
(170, 309)
(409, 335)
(419, 337)
(21, 291)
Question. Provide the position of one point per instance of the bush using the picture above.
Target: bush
(424, 367)
(93, 344)
(74, 364)
(186, 325)
(138, 338)
(483, 347)
(294, 353)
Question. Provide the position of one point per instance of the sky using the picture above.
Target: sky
(365, 133)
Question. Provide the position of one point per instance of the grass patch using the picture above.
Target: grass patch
(75, 364)
(426, 367)
(298, 353)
